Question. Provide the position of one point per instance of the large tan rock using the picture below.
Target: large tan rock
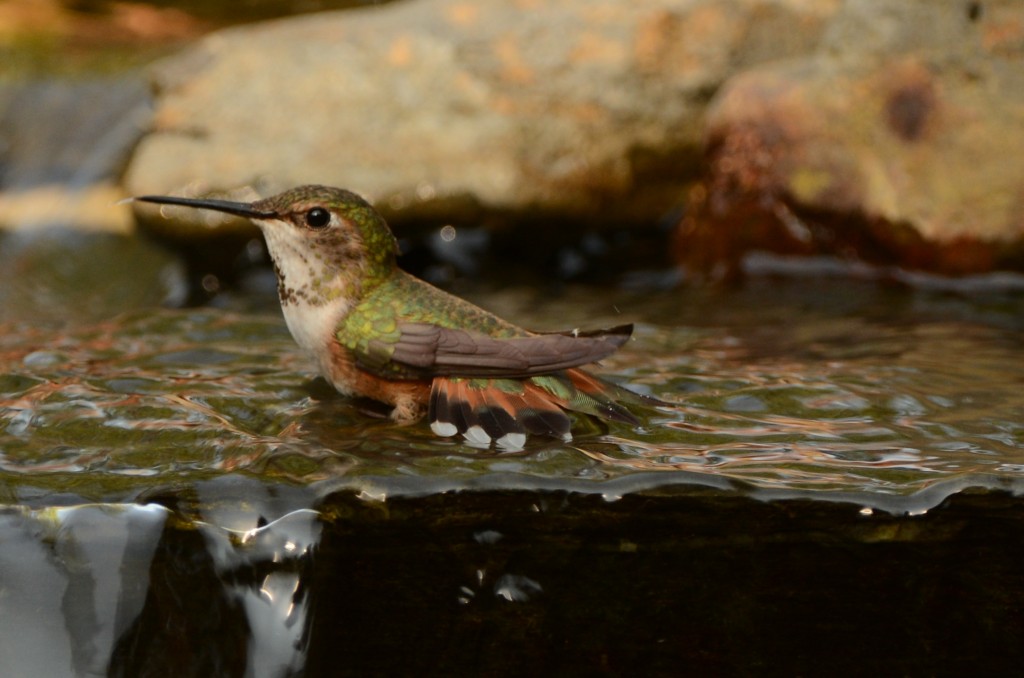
(588, 108)
(900, 140)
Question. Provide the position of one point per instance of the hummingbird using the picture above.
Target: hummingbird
(377, 331)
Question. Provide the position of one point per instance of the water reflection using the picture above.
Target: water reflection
(93, 589)
(73, 581)
(261, 567)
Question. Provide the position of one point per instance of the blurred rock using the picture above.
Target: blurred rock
(893, 143)
(93, 207)
(577, 108)
(63, 143)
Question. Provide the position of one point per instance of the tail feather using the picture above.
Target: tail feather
(504, 411)
(482, 410)
(600, 398)
(462, 409)
(542, 414)
(496, 414)
(442, 419)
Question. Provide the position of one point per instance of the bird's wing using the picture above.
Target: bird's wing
(426, 349)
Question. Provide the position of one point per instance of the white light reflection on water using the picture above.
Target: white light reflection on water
(72, 581)
(516, 588)
(276, 609)
(75, 582)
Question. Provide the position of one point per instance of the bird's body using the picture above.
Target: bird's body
(378, 332)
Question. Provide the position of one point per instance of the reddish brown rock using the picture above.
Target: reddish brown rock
(893, 144)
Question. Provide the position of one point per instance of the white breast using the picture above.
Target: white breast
(313, 297)
(313, 328)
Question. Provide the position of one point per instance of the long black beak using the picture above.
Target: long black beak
(242, 209)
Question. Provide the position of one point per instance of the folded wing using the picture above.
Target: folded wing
(432, 350)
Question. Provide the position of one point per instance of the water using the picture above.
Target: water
(847, 387)
(173, 477)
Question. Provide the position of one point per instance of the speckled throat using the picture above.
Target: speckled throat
(312, 269)
(318, 279)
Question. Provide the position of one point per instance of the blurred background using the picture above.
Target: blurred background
(812, 210)
(662, 142)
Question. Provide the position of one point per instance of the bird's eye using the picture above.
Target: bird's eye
(318, 217)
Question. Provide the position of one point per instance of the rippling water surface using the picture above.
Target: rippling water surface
(810, 385)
